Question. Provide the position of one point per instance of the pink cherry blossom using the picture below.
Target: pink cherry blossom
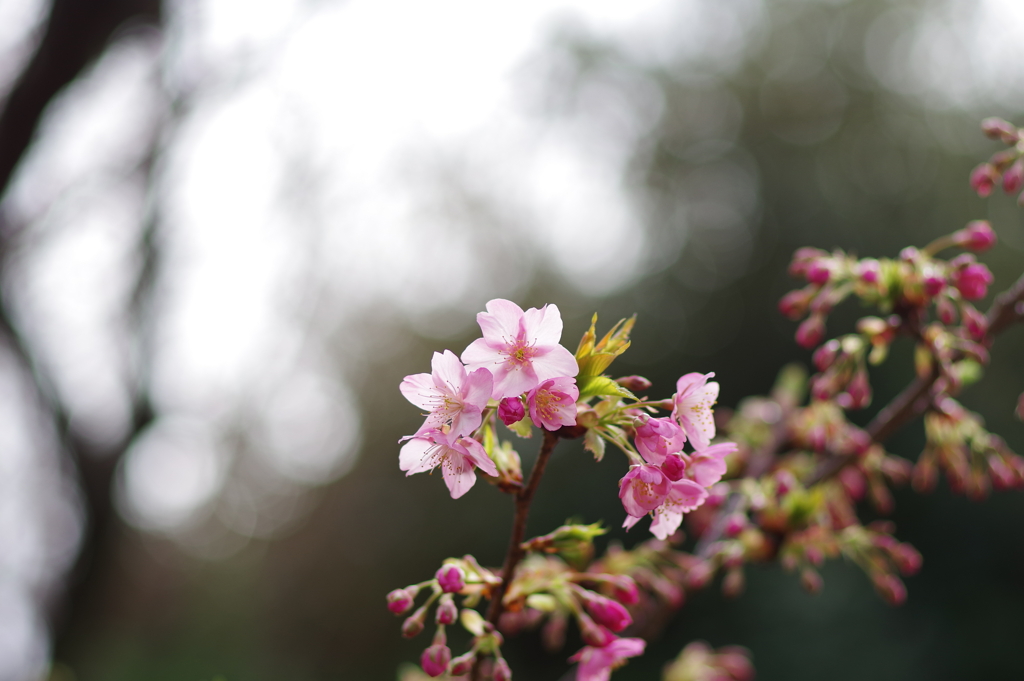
(973, 280)
(694, 400)
(553, 403)
(657, 438)
(457, 457)
(519, 348)
(451, 396)
(596, 664)
(683, 496)
(708, 466)
(643, 489)
(511, 410)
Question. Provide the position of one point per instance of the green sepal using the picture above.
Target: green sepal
(601, 385)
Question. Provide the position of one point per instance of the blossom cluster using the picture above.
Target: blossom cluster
(518, 362)
(1005, 167)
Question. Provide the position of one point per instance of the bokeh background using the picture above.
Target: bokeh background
(228, 229)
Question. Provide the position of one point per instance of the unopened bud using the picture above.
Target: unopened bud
(998, 129)
(400, 600)
(891, 589)
(784, 481)
(511, 410)
(502, 672)
(592, 633)
(624, 589)
(451, 578)
(972, 280)
(794, 304)
(818, 272)
(975, 322)
(825, 355)
(908, 559)
(734, 524)
(634, 384)
(946, 310)
(736, 663)
(869, 270)
(859, 390)
(978, 235)
(607, 612)
(933, 284)
(463, 664)
(447, 613)
(811, 581)
(811, 331)
(673, 467)
(983, 179)
(435, 660)
(413, 624)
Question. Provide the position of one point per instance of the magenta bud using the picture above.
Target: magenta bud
(451, 578)
(784, 482)
(946, 310)
(699, 575)
(908, 559)
(462, 665)
(634, 384)
(734, 524)
(794, 304)
(891, 589)
(869, 270)
(1013, 178)
(511, 410)
(825, 355)
(435, 659)
(978, 235)
(736, 662)
(975, 322)
(972, 280)
(818, 272)
(998, 129)
(673, 467)
(594, 634)
(983, 179)
(413, 624)
(814, 556)
(502, 672)
(811, 331)
(399, 601)
(811, 581)
(607, 612)
(624, 589)
(859, 390)
(447, 613)
(933, 285)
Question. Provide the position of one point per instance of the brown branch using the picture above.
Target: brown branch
(1007, 308)
(524, 497)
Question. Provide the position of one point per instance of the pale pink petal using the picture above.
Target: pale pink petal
(544, 326)
(688, 383)
(706, 471)
(482, 354)
(458, 474)
(687, 495)
(417, 456)
(665, 522)
(477, 388)
(419, 389)
(511, 380)
(626, 647)
(630, 521)
(478, 455)
(554, 361)
(721, 449)
(501, 321)
(449, 373)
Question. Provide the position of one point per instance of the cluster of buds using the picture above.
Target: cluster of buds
(973, 459)
(457, 577)
(700, 662)
(908, 286)
(1007, 166)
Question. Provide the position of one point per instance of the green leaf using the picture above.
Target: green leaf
(601, 385)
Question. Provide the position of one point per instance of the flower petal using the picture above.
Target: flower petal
(501, 321)
(544, 326)
(417, 456)
(458, 474)
(449, 374)
(554, 361)
(419, 389)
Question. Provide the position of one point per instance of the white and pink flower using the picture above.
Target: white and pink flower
(643, 489)
(708, 466)
(553, 403)
(694, 400)
(452, 397)
(520, 349)
(658, 438)
(682, 497)
(457, 457)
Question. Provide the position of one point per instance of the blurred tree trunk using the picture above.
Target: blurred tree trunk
(76, 33)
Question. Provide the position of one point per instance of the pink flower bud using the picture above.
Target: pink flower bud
(933, 284)
(998, 129)
(673, 467)
(463, 664)
(736, 662)
(818, 272)
(811, 331)
(594, 634)
(502, 672)
(607, 612)
(859, 390)
(811, 581)
(891, 589)
(399, 601)
(1013, 178)
(972, 281)
(734, 524)
(978, 235)
(511, 410)
(451, 578)
(624, 589)
(794, 304)
(974, 321)
(413, 624)
(825, 355)
(907, 559)
(447, 613)
(435, 659)
(869, 270)
(784, 481)
(946, 310)
(983, 179)
(814, 556)
(634, 384)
